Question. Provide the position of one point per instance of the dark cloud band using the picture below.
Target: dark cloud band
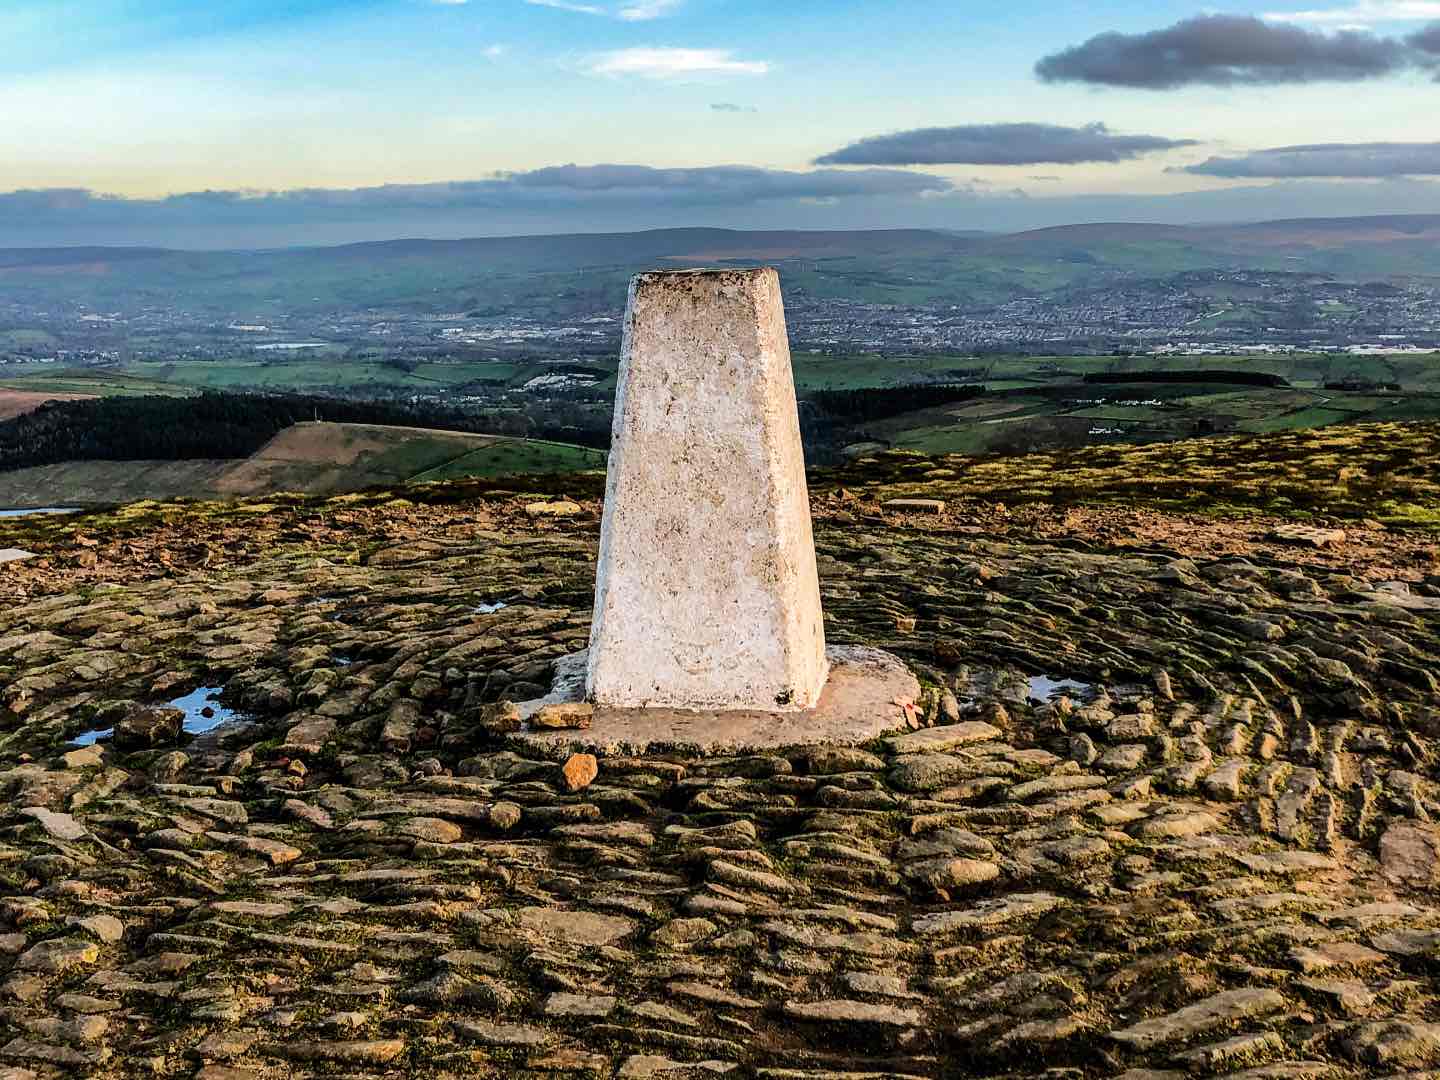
(1328, 160)
(1226, 50)
(558, 188)
(1001, 144)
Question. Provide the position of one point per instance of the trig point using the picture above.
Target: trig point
(707, 595)
(708, 632)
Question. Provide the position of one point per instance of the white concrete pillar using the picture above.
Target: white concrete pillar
(707, 595)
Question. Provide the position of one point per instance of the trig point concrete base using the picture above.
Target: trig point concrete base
(707, 632)
(863, 699)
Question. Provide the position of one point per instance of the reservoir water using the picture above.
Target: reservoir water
(27, 511)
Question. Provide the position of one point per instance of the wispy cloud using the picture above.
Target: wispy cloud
(633, 11)
(671, 63)
(732, 107)
(566, 5)
(641, 10)
(1364, 13)
(1350, 160)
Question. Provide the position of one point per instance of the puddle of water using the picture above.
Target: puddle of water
(491, 609)
(1045, 687)
(343, 661)
(41, 510)
(202, 709)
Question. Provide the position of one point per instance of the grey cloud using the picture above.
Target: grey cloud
(1226, 50)
(1328, 160)
(559, 189)
(731, 183)
(1000, 144)
(1427, 40)
(1426, 44)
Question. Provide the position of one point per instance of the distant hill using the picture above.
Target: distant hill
(556, 274)
(586, 250)
(511, 253)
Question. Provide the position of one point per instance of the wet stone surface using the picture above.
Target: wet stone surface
(1219, 857)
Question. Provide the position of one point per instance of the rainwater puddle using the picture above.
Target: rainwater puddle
(491, 609)
(1045, 687)
(202, 709)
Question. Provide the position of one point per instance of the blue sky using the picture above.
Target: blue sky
(145, 99)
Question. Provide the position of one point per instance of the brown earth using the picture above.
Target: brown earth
(15, 403)
(322, 458)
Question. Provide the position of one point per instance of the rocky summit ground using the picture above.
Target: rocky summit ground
(1167, 808)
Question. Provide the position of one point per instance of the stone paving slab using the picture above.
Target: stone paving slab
(1165, 816)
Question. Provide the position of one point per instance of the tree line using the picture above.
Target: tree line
(881, 403)
(223, 425)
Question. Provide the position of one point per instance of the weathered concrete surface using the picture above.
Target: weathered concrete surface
(707, 595)
(863, 698)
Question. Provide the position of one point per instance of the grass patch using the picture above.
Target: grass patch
(511, 457)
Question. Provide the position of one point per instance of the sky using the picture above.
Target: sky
(260, 123)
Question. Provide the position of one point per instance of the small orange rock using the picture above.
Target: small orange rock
(571, 716)
(580, 771)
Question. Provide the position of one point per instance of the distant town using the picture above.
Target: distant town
(1200, 312)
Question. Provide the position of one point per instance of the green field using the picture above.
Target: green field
(516, 457)
(1032, 402)
(27, 339)
(322, 374)
(1019, 420)
(813, 371)
(96, 382)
